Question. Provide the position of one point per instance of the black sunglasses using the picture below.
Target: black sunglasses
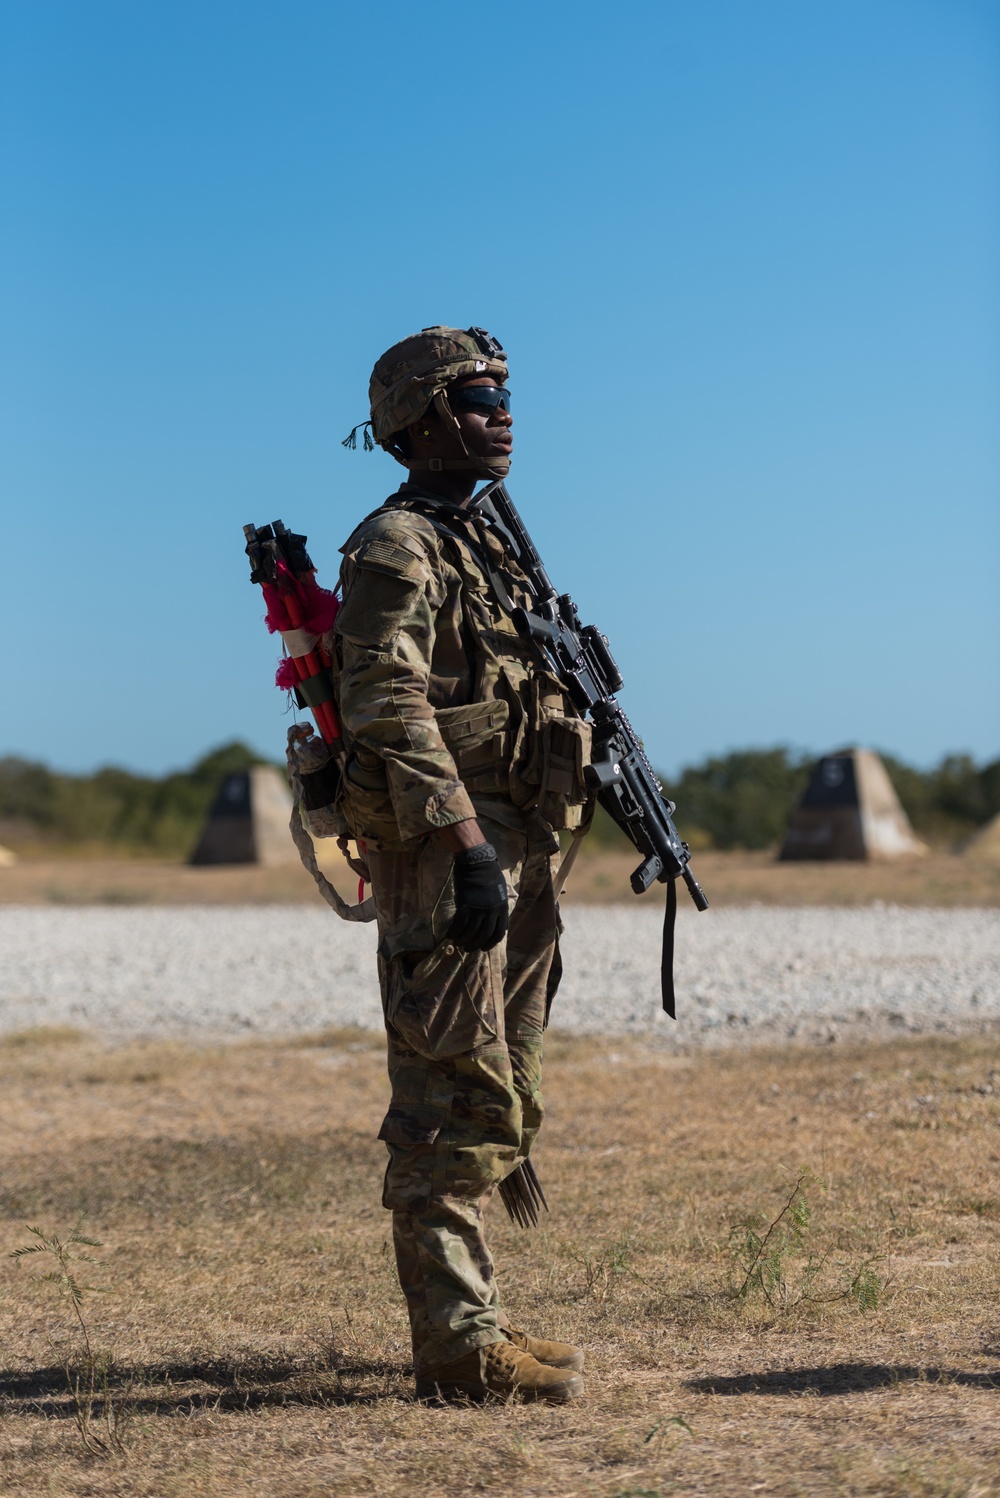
(487, 397)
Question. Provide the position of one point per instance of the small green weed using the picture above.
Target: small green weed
(676, 1422)
(866, 1288)
(603, 1273)
(103, 1435)
(774, 1261)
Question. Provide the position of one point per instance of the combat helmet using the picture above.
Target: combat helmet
(415, 374)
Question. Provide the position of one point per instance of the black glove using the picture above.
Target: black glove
(480, 900)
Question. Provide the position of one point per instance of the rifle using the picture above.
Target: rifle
(620, 773)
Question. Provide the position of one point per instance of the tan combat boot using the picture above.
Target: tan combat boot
(552, 1354)
(501, 1369)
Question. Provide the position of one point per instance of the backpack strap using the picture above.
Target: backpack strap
(437, 514)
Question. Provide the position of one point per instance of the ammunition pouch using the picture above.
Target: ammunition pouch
(551, 755)
(563, 795)
(477, 737)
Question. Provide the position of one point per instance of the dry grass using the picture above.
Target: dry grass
(729, 878)
(758, 878)
(150, 881)
(256, 1340)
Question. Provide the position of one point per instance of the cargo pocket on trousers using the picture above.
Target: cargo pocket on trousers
(445, 1003)
(409, 1124)
(410, 1129)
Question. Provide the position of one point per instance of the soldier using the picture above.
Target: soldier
(465, 758)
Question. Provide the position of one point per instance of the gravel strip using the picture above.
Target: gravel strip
(744, 976)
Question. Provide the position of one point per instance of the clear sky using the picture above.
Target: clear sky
(743, 255)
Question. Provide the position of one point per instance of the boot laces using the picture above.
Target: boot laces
(503, 1358)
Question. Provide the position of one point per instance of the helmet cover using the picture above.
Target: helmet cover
(410, 376)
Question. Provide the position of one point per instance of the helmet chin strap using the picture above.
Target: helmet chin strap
(484, 468)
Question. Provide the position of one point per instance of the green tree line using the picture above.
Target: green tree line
(113, 809)
(744, 799)
(737, 800)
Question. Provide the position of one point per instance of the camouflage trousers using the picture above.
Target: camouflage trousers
(465, 1059)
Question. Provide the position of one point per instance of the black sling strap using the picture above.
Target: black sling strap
(667, 954)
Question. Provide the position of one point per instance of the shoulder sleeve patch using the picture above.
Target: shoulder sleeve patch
(384, 556)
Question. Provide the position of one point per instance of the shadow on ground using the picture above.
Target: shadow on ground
(181, 1388)
(840, 1378)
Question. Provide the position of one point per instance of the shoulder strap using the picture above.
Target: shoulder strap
(437, 515)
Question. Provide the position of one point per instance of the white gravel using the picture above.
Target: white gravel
(743, 976)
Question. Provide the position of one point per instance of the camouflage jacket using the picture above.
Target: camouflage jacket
(447, 711)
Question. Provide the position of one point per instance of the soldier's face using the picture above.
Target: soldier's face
(487, 433)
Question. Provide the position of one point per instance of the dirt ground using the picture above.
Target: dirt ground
(248, 1335)
(728, 879)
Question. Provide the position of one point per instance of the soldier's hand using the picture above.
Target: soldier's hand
(480, 900)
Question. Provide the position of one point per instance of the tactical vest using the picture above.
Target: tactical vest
(518, 742)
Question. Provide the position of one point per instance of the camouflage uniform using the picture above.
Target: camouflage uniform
(449, 715)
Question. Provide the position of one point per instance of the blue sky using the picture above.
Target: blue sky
(743, 255)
